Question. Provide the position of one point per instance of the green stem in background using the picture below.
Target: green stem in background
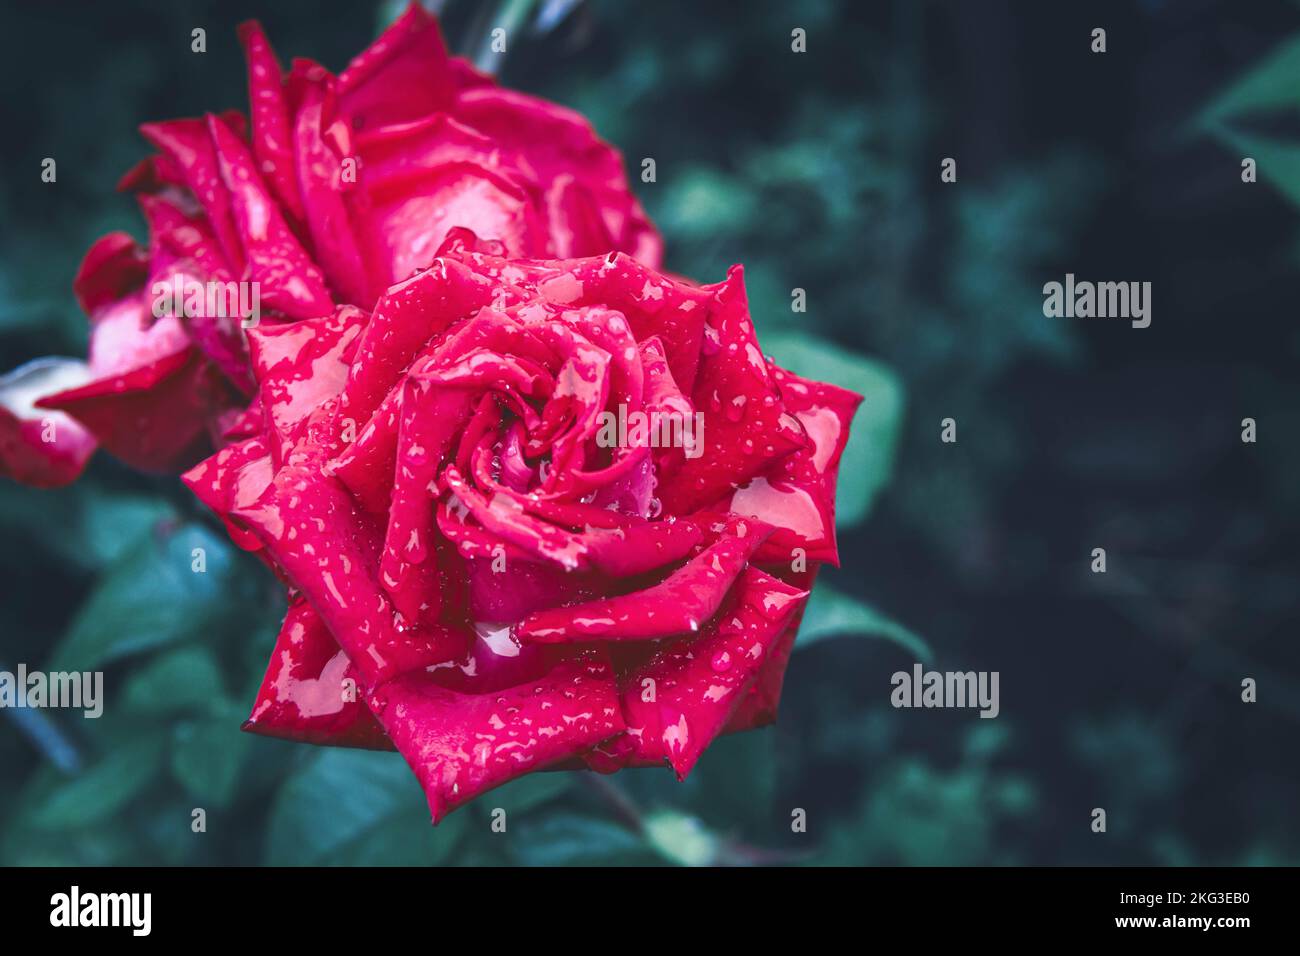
(512, 15)
(54, 745)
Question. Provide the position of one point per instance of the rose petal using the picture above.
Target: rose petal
(288, 279)
(312, 692)
(329, 548)
(152, 417)
(269, 111)
(462, 745)
(797, 495)
(113, 267)
(301, 365)
(45, 449)
(405, 319)
(680, 604)
(400, 77)
(333, 226)
(682, 698)
(188, 144)
(747, 426)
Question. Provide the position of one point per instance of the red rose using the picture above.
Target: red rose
(487, 533)
(335, 188)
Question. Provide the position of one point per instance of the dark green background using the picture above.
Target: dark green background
(818, 171)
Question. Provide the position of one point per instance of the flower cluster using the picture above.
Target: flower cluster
(436, 434)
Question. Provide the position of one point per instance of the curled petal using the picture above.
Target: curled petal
(288, 279)
(682, 698)
(797, 494)
(312, 692)
(462, 745)
(233, 478)
(313, 529)
(405, 319)
(45, 449)
(747, 428)
(330, 218)
(112, 268)
(187, 144)
(400, 77)
(270, 118)
(153, 417)
(680, 604)
(301, 365)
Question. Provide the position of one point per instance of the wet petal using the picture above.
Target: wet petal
(682, 698)
(746, 426)
(288, 280)
(314, 530)
(38, 447)
(405, 319)
(269, 112)
(301, 365)
(400, 77)
(311, 691)
(680, 604)
(462, 745)
(797, 495)
(153, 417)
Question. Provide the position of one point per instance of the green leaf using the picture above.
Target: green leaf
(681, 839)
(1278, 162)
(1271, 87)
(356, 807)
(832, 614)
(1272, 84)
(184, 680)
(566, 839)
(103, 789)
(152, 598)
(207, 755)
(868, 459)
(113, 524)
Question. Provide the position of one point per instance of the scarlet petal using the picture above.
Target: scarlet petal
(288, 279)
(462, 745)
(366, 465)
(233, 478)
(654, 304)
(188, 144)
(680, 604)
(184, 252)
(682, 698)
(747, 428)
(113, 267)
(431, 419)
(270, 118)
(405, 319)
(797, 494)
(152, 417)
(301, 365)
(310, 525)
(45, 449)
(334, 229)
(400, 77)
(591, 208)
(311, 691)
